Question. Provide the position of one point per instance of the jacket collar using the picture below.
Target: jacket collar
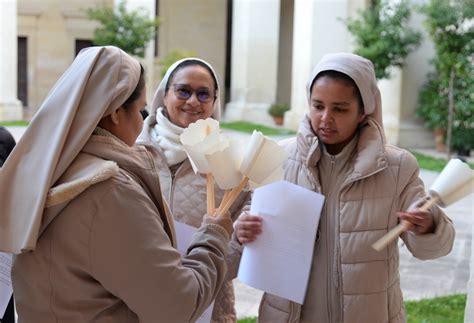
(100, 156)
(370, 157)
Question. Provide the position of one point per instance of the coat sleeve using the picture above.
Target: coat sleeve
(132, 257)
(425, 246)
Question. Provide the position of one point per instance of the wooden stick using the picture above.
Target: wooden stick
(391, 235)
(401, 227)
(226, 196)
(211, 204)
(429, 204)
(225, 206)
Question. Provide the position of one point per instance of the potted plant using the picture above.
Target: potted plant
(277, 111)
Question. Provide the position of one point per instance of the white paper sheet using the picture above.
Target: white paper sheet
(5, 281)
(184, 235)
(279, 261)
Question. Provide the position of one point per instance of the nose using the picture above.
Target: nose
(193, 100)
(326, 116)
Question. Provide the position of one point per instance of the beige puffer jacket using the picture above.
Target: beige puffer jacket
(106, 250)
(384, 180)
(185, 193)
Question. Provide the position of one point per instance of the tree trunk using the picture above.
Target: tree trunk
(450, 112)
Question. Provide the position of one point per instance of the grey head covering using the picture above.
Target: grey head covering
(158, 98)
(361, 71)
(97, 83)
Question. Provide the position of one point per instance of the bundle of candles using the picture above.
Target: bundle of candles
(231, 165)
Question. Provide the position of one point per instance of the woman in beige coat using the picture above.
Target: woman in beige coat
(82, 207)
(188, 92)
(340, 151)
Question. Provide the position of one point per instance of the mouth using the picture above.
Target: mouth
(191, 112)
(327, 131)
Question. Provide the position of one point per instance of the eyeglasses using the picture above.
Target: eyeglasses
(184, 92)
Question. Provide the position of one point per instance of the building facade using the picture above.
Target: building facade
(262, 50)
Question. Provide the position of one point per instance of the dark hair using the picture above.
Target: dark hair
(335, 75)
(7, 143)
(190, 62)
(138, 90)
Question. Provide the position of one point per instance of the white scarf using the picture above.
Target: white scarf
(166, 135)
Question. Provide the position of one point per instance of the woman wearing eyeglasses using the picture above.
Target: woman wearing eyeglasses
(188, 92)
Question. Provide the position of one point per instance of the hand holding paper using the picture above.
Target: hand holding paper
(279, 261)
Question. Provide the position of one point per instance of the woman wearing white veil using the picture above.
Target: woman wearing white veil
(188, 92)
(82, 208)
(340, 151)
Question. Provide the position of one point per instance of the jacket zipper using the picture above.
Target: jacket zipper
(172, 186)
(343, 186)
(328, 244)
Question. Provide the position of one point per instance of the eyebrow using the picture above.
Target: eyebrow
(343, 103)
(189, 86)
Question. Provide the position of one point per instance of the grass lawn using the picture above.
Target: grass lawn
(448, 309)
(249, 127)
(432, 163)
(19, 123)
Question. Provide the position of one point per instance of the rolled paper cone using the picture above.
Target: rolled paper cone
(251, 152)
(211, 205)
(225, 205)
(453, 183)
(277, 175)
(391, 235)
(270, 158)
(225, 165)
(200, 138)
(261, 158)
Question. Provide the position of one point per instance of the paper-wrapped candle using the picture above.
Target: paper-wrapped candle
(198, 139)
(455, 182)
(225, 162)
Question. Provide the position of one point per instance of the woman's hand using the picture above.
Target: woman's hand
(420, 222)
(247, 227)
(224, 221)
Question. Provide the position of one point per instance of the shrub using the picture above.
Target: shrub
(382, 34)
(130, 31)
(278, 110)
(451, 26)
(172, 57)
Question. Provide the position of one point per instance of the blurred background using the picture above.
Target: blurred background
(263, 52)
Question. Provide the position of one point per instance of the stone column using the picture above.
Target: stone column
(391, 95)
(255, 33)
(317, 31)
(10, 106)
